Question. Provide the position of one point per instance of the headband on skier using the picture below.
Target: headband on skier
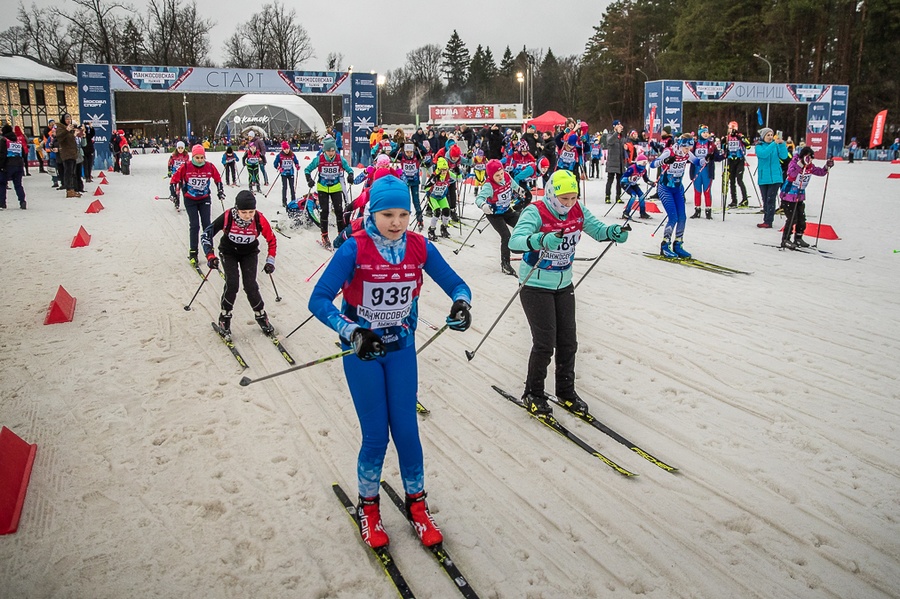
(686, 140)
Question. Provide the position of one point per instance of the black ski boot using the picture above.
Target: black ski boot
(733, 203)
(454, 216)
(696, 213)
(431, 234)
(192, 257)
(263, 321)
(799, 241)
(787, 244)
(574, 404)
(506, 268)
(537, 405)
(608, 200)
(225, 324)
(744, 203)
(445, 232)
(646, 216)
(709, 214)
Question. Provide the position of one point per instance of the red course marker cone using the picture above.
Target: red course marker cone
(110, 169)
(94, 207)
(894, 176)
(824, 232)
(16, 460)
(62, 308)
(103, 180)
(99, 192)
(359, 165)
(82, 239)
(651, 207)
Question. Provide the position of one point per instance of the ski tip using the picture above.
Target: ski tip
(245, 381)
(469, 355)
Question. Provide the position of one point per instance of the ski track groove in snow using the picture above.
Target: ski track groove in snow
(156, 473)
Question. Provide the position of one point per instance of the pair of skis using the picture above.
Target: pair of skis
(552, 423)
(700, 264)
(383, 554)
(229, 343)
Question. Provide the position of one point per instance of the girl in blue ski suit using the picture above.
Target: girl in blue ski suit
(671, 193)
(636, 171)
(379, 269)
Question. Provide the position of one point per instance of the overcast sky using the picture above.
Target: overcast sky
(377, 35)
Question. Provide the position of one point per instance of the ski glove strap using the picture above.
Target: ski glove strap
(460, 317)
(366, 344)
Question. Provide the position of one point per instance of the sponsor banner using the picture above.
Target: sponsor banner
(474, 113)
(817, 117)
(363, 116)
(838, 122)
(95, 104)
(653, 100)
(211, 80)
(672, 110)
(877, 137)
(753, 93)
(819, 143)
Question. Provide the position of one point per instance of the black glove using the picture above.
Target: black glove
(669, 160)
(310, 182)
(269, 268)
(349, 179)
(212, 262)
(460, 317)
(366, 344)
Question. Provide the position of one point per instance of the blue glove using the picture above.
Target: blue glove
(366, 344)
(616, 234)
(360, 178)
(460, 317)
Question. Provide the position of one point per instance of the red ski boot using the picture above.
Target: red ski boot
(368, 513)
(417, 510)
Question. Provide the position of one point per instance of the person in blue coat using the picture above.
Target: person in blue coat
(379, 270)
(770, 152)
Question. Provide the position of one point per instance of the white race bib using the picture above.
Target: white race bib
(386, 304)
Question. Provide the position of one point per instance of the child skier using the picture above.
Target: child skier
(436, 190)
(329, 165)
(548, 231)
(479, 162)
(671, 193)
(379, 269)
(735, 150)
(179, 158)
(704, 148)
(410, 163)
(636, 171)
(251, 161)
(596, 153)
(239, 253)
(229, 161)
(286, 163)
(495, 198)
(194, 177)
(793, 193)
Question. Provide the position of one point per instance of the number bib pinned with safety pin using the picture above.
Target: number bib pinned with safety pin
(562, 257)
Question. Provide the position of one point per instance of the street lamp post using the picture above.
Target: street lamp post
(379, 81)
(521, 79)
(185, 103)
(770, 81)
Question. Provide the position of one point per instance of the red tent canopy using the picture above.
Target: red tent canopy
(547, 121)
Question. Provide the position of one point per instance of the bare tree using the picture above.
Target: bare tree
(334, 61)
(47, 37)
(424, 64)
(271, 39)
(14, 40)
(569, 74)
(176, 34)
(103, 25)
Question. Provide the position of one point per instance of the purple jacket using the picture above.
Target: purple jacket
(798, 176)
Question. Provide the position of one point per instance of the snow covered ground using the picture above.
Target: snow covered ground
(157, 475)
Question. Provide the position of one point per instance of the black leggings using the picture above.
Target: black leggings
(736, 175)
(198, 215)
(502, 224)
(337, 200)
(617, 177)
(551, 316)
(794, 213)
(236, 268)
(230, 173)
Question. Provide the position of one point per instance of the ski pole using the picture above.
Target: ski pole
(247, 380)
(433, 337)
(274, 181)
(187, 308)
(308, 318)
(597, 259)
(482, 229)
(753, 183)
(471, 354)
(459, 249)
(822, 209)
(277, 297)
(318, 269)
(653, 234)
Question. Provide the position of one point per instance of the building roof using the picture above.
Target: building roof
(21, 68)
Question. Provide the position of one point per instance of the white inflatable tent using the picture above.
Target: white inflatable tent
(272, 115)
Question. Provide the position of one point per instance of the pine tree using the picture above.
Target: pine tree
(506, 64)
(477, 78)
(547, 94)
(490, 66)
(455, 63)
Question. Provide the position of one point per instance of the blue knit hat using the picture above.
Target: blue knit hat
(616, 123)
(388, 193)
(572, 140)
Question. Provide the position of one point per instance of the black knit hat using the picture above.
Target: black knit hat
(245, 200)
